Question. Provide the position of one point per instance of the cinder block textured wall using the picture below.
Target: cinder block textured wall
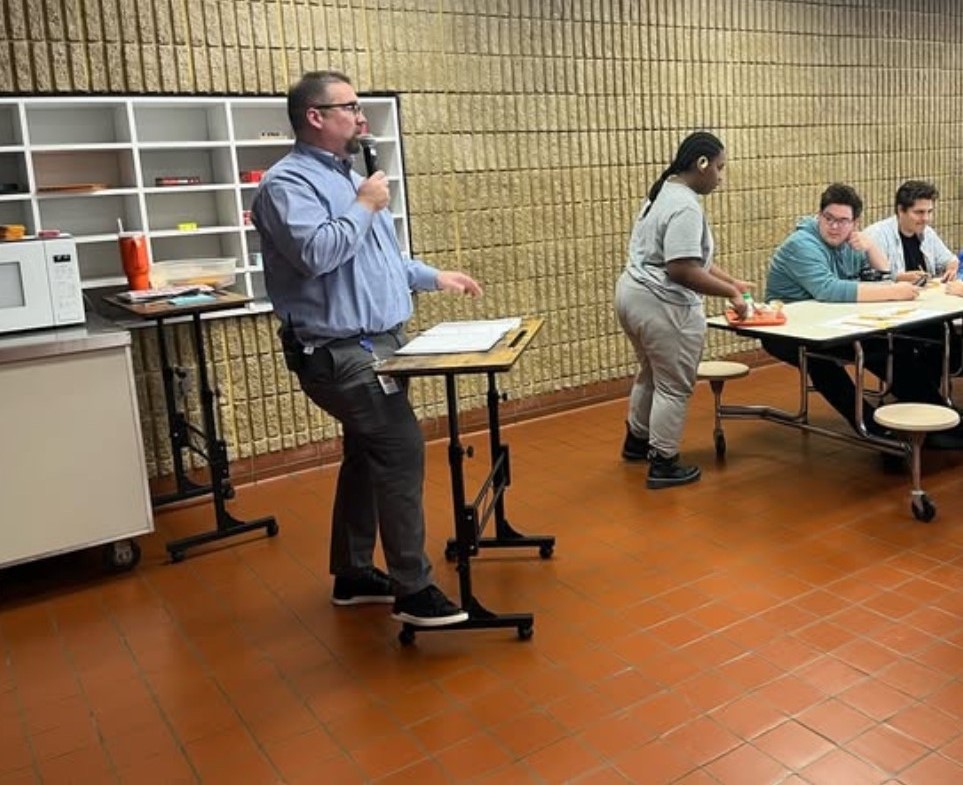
(532, 130)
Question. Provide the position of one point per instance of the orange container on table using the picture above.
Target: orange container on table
(133, 256)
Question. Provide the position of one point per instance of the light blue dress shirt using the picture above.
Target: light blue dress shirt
(333, 268)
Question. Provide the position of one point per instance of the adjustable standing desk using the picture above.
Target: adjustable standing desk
(470, 518)
(213, 449)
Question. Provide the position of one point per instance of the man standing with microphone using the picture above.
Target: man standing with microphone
(342, 291)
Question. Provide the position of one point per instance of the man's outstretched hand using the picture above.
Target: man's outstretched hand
(460, 283)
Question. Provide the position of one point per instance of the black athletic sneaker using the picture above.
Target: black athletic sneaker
(634, 448)
(373, 586)
(427, 608)
(666, 472)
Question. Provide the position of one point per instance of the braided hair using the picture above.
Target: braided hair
(693, 147)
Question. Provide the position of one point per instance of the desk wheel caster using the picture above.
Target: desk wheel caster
(545, 551)
(227, 491)
(720, 442)
(407, 636)
(122, 555)
(526, 631)
(177, 556)
(923, 509)
(451, 551)
(272, 529)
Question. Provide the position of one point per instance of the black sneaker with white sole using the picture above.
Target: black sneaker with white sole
(427, 608)
(372, 586)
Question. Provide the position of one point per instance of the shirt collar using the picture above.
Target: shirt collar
(329, 159)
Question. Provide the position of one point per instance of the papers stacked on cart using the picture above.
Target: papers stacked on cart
(457, 337)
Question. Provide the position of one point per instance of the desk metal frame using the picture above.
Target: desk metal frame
(470, 518)
(180, 432)
(212, 448)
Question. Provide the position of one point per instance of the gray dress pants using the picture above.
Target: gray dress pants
(668, 341)
(381, 480)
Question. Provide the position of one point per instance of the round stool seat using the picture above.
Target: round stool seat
(722, 369)
(924, 417)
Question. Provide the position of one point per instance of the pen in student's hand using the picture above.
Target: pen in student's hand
(517, 339)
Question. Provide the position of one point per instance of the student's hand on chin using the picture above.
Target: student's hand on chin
(857, 240)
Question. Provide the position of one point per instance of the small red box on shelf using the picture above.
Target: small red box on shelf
(162, 182)
(252, 175)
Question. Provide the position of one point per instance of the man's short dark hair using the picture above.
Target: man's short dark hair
(839, 193)
(912, 191)
(310, 90)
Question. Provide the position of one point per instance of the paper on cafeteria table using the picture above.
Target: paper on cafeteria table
(885, 317)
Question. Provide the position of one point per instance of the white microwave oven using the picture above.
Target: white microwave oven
(39, 284)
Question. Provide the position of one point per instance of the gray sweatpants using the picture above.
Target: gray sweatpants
(668, 341)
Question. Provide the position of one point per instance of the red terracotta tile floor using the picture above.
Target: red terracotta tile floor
(785, 620)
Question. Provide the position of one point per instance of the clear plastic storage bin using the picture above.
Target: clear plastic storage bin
(219, 273)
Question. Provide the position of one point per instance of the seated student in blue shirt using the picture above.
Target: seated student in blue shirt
(342, 291)
(822, 260)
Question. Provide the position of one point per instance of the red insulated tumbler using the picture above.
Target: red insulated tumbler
(133, 255)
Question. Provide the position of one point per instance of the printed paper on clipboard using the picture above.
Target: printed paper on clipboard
(460, 337)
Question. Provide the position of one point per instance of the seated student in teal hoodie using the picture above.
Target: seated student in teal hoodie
(821, 260)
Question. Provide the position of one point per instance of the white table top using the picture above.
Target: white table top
(817, 322)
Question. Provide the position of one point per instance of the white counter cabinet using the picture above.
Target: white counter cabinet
(72, 470)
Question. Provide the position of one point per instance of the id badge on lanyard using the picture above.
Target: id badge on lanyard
(388, 384)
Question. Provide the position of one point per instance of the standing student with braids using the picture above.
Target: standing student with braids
(658, 300)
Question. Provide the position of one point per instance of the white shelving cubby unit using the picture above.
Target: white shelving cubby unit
(78, 164)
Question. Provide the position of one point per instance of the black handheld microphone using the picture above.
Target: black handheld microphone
(370, 153)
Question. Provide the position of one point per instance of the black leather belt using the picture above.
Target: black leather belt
(288, 339)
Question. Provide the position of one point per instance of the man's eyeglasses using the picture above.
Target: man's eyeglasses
(833, 221)
(351, 106)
